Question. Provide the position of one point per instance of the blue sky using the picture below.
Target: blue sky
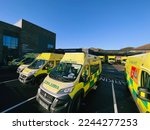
(106, 24)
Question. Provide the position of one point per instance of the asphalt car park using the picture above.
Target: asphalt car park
(111, 95)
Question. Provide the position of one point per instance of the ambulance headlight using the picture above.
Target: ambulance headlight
(20, 69)
(32, 73)
(65, 90)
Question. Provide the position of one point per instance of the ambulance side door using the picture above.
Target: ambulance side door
(144, 92)
(86, 77)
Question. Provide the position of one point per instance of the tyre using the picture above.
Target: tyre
(76, 104)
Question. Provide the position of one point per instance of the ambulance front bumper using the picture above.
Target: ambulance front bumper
(53, 104)
(26, 79)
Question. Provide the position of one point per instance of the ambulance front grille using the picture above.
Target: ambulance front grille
(22, 76)
(47, 96)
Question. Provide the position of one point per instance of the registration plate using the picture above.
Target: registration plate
(43, 104)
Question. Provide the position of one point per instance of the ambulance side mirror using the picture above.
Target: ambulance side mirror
(45, 67)
(144, 94)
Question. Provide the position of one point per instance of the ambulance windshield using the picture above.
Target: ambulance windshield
(37, 64)
(65, 72)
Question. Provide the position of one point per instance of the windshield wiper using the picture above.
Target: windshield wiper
(63, 79)
(59, 77)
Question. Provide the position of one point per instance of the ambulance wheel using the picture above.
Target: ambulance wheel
(76, 104)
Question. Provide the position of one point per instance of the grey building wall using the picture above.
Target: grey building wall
(35, 39)
(9, 30)
(1, 46)
(32, 38)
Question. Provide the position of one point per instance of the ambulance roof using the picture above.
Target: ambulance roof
(77, 58)
(49, 56)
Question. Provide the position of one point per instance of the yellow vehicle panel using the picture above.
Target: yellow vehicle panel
(26, 71)
(78, 58)
(49, 56)
(136, 67)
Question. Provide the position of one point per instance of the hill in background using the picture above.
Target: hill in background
(127, 49)
(143, 47)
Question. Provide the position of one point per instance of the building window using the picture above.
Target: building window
(10, 42)
(50, 46)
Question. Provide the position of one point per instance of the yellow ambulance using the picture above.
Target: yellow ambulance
(27, 62)
(28, 57)
(123, 60)
(102, 58)
(137, 70)
(39, 69)
(69, 82)
(111, 59)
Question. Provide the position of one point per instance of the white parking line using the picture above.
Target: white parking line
(114, 99)
(8, 81)
(19, 104)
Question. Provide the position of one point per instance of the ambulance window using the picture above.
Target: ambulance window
(85, 73)
(28, 60)
(94, 68)
(37, 64)
(19, 59)
(50, 64)
(145, 80)
(66, 72)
